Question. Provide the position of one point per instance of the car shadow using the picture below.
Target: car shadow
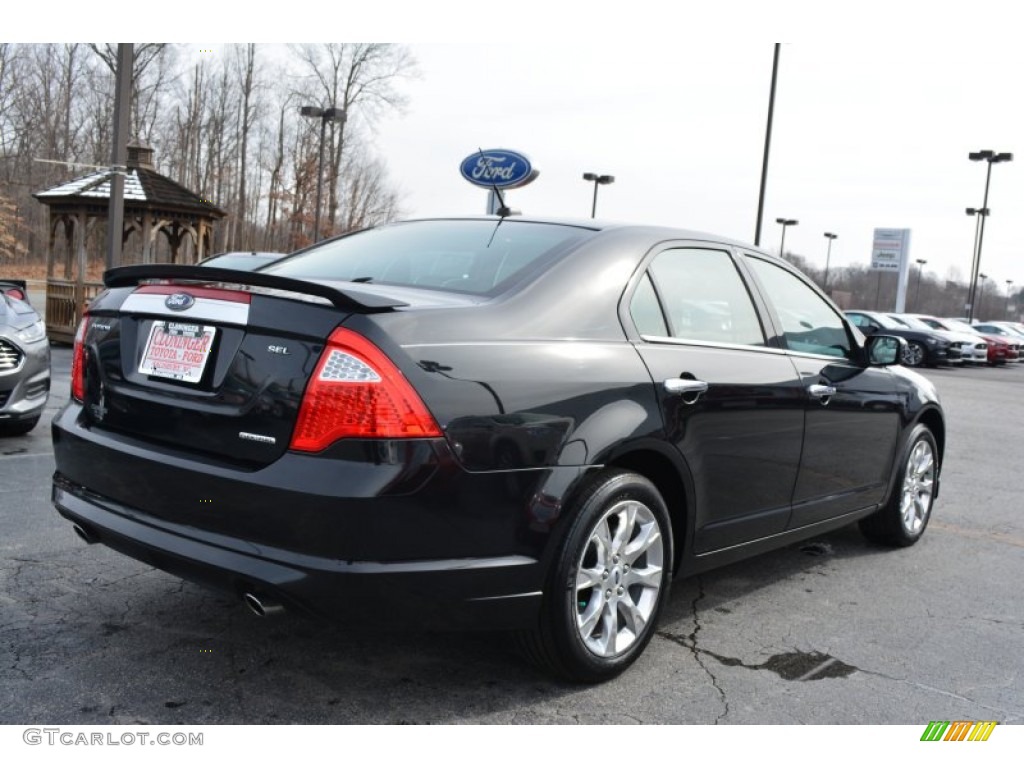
(135, 645)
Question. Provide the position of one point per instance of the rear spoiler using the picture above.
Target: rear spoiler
(358, 301)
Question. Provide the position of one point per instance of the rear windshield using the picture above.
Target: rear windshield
(478, 257)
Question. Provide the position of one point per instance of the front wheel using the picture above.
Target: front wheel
(903, 519)
(914, 355)
(609, 582)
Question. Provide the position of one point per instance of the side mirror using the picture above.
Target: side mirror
(885, 350)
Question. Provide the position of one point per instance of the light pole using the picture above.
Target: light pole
(989, 157)
(785, 223)
(1008, 284)
(326, 115)
(917, 291)
(981, 289)
(828, 258)
(978, 214)
(602, 179)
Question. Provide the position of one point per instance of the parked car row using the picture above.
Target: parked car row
(933, 341)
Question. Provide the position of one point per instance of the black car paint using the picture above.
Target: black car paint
(462, 530)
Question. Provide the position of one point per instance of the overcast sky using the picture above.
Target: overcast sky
(876, 110)
(860, 140)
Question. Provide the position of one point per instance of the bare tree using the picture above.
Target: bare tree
(361, 78)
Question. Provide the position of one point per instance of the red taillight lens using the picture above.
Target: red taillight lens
(78, 362)
(15, 293)
(356, 391)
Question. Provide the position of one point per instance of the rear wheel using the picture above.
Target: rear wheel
(609, 583)
(902, 521)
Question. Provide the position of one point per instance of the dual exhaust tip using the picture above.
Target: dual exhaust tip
(259, 604)
(84, 533)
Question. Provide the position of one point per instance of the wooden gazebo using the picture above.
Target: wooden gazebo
(153, 205)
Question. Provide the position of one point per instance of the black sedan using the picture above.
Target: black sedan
(924, 347)
(24, 361)
(510, 424)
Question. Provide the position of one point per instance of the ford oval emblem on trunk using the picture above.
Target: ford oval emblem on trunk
(179, 302)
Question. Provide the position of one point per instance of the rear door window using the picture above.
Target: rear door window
(703, 298)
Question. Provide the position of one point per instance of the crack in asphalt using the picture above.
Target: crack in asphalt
(690, 642)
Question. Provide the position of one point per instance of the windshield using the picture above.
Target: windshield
(468, 256)
(958, 325)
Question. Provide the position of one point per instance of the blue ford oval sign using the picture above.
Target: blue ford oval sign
(500, 168)
(179, 302)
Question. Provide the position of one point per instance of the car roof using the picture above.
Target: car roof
(655, 231)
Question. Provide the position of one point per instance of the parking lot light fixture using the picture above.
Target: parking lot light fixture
(988, 156)
(828, 258)
(598, 179)
(917, 291)
(326, 115)
(785, 223)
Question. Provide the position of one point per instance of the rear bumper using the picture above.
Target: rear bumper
(458, 551)
(465, 593)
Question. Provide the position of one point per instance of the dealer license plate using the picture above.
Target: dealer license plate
(177, 351)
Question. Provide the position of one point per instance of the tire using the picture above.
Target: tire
(608, 583)
(16, 428)
(903, 519)
(915, 354)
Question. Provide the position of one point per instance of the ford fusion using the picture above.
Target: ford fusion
(505, 424)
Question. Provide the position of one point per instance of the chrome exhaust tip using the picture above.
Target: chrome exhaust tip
(84, 533)
(261, 606)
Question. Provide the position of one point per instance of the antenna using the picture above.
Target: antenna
(503, 210)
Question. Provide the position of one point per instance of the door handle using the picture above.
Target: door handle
(685, 386)
(822, 391)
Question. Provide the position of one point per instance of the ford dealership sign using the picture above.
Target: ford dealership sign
(500, 168)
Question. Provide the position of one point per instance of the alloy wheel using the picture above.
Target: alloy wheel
(918, 486)
(618, 578)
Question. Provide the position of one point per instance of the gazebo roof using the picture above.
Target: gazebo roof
(144, 188)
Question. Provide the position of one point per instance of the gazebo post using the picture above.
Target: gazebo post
(82, 258)
(152, 204)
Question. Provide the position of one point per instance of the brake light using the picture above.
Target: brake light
(15, 293)
(78, 362)
(356, 391)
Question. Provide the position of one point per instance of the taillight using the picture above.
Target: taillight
(356, 391)
(78, 362)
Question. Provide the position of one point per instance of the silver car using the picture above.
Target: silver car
(24, 361)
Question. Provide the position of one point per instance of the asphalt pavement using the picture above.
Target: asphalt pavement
(833, 630)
